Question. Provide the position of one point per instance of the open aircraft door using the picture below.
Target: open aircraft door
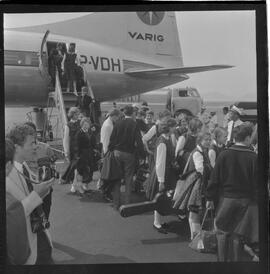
(43, 58)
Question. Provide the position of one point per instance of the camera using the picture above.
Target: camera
(47, 169)
(39, 222)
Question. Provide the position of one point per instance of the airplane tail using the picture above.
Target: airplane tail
(153, 34)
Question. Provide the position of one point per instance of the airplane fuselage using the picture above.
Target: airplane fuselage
(26, 82)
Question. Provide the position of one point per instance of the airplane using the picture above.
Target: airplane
(122, 54)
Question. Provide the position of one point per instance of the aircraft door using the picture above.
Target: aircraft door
(43, 57)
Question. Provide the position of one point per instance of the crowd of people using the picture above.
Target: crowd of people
(217, 163)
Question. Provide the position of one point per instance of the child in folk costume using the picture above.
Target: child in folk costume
(163, 175)
(150, 138)
(218, 144)
(189, 193)
(187, 143)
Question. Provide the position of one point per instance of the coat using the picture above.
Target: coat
(85, 146)
(17, 187)
(18, 249)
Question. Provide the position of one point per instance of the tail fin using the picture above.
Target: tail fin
(153, 34)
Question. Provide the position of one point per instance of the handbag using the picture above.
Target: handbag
(205, 241)
(111, 169)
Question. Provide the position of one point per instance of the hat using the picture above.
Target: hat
(236, 109)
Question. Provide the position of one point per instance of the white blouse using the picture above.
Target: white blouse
(198, 160)
(161, 160)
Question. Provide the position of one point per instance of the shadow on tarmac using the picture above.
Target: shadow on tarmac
(178, 227)
(96, 197)
(79, 257)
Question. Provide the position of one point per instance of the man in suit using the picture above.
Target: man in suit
(84, 101)
(18, 249)
(30, 195)
(125, 140)
(43, 150)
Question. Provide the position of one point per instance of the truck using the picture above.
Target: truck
(185, 99)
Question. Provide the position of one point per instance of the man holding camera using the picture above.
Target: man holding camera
(30, 194)
(43, 156)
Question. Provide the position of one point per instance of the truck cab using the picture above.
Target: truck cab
(186, 100)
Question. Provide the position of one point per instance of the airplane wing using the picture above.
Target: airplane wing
(174, 71)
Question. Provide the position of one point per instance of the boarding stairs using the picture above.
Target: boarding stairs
(59, 101)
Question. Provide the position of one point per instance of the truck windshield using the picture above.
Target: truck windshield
(193, 93)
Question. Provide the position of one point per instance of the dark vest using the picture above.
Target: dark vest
(190, 143)
(206, 164)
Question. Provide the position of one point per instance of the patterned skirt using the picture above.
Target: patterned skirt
(152, 184)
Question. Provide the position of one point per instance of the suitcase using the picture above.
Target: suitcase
(162, 203)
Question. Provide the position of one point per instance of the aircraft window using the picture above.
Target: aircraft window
(21, 58)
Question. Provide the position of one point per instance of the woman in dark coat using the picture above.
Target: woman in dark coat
(70, 60)
(86, 145)
(162, 177)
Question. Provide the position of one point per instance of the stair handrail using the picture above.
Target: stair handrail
(59, 102)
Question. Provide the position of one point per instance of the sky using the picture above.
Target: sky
(207, 38)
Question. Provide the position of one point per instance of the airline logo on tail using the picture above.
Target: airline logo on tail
(151, 18)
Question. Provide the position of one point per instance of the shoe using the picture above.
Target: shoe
(85, 187)
(73, 190)
(76, 93)
(160, 229)
(165, 225)
(107, 197)
(181, 216)
(81, 191)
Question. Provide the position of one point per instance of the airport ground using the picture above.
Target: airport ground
(87, 230)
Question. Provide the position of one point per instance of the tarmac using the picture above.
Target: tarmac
(87, 230)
